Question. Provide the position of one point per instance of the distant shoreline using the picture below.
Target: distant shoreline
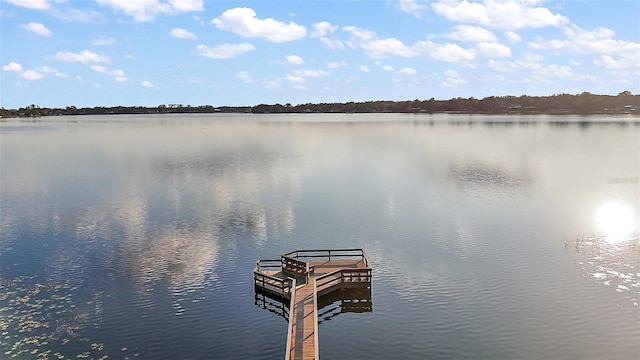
(559, 104)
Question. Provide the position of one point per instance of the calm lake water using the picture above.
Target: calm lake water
(491, 237)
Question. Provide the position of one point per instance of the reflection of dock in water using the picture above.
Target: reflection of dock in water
(318, 285)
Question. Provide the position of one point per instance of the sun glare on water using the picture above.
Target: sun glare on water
(616, 222)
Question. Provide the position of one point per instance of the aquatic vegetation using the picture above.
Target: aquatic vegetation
(39, 319)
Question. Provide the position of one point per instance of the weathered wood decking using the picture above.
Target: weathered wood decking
(303, 276)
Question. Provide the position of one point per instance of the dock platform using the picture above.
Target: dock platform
(301, 277)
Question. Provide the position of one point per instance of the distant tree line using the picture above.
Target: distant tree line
(585, 103)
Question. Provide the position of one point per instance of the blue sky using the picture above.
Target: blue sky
(58, 53)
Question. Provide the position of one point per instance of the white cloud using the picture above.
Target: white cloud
(103, 41)
(385, 47)
(450, 82)
(557, 71)
(117, 75)
(387, 67)
(407, 71)
(493, 50)
(31, 4)
(301, 75)
(293, 78)
(361, 34)
(67, 13)
(471, 33)
(332, 44)
(38, 29)
(270, 84)
(243, 21)
(598, 41)
(245, 77)
(37, 74)
(147, 10)
(608, 62)
(615, 54)
(12, 66)
(294, 59)
(512, 36)
(183, 6)
(363, 68)
(224, 51)
(501, 14)
(531, 68)
(58, 8)
(32, 75)
(310, 73)
(528, 61)
(84, 56)
(99, 68)
(322, 28)
(451, 73)
(450, 52)
(380, 48)
(336, 64)
(47, 69)
(453, 79)
(181, 33)
(146, 84)
(411, 7)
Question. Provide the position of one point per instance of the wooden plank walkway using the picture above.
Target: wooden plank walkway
(305, 317)
(303, 340)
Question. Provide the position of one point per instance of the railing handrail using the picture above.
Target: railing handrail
(327, 278)
(362, 270)
(271, 277)
(297, 252)
(264, 264)
(315, 320)
(275, 284)
(287, 355)
(327, 254)
(293, 264)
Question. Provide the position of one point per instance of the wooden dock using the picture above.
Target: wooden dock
(301, 277)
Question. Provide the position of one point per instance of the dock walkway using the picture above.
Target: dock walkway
(301, 277)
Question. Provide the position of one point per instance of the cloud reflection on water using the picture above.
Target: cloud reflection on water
(465, 221)
(158, 209)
